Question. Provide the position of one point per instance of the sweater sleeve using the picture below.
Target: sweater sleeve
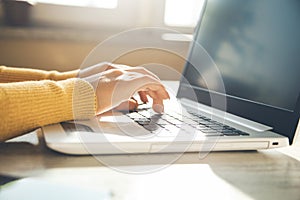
(25, 106)
(12, 74)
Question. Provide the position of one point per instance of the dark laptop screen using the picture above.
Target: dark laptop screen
(255, 45)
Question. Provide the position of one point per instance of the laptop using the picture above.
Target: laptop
(239, 90)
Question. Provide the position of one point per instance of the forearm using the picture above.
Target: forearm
(12, 74)
(25, 106)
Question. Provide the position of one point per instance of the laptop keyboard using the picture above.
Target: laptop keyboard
(174, 122)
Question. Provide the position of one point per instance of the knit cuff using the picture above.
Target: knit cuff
(83, 100)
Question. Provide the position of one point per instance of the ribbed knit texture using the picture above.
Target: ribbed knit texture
(27, 105)
(11, 74)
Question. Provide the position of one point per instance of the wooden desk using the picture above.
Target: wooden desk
(268, 174)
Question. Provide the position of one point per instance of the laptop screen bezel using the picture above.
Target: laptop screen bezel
(283, 121)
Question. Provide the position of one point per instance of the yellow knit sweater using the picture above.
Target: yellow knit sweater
(32, 98)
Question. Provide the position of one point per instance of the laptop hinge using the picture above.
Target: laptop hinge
(226, 116)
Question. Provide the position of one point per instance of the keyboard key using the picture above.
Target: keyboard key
(146, 113)
(228, 131)
(144, 106)
(156, 117)
(189, 121)
(174, 121)
(201, 127)
(231, 134)
(142, 121)
(166, 117)
(209, 131)
(134, 115)
(151, 127)
(213, 134)
(176, 116)
(242, 133)
(216, 127)
(160, 122)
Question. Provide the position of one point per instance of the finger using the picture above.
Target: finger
(157, 105)
(143, 96)
(119, 66)
(129, 105)
(158, 88)
(163, 93)
(142, 70)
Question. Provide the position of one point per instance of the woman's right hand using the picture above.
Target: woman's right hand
(115, 86)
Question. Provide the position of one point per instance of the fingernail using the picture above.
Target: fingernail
(158, 108)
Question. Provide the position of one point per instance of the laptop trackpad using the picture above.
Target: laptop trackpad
(120, 125)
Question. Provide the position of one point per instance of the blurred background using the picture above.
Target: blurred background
(59, 34)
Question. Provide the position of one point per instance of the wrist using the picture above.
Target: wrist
(92, 70)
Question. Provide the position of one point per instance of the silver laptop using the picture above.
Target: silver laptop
(239, 90)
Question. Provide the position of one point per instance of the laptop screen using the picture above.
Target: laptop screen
(255, 47)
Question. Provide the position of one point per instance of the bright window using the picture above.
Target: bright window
(182, 13)
(83, 3)
(116, 15)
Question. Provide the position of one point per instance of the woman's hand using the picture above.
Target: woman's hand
(116, 84)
